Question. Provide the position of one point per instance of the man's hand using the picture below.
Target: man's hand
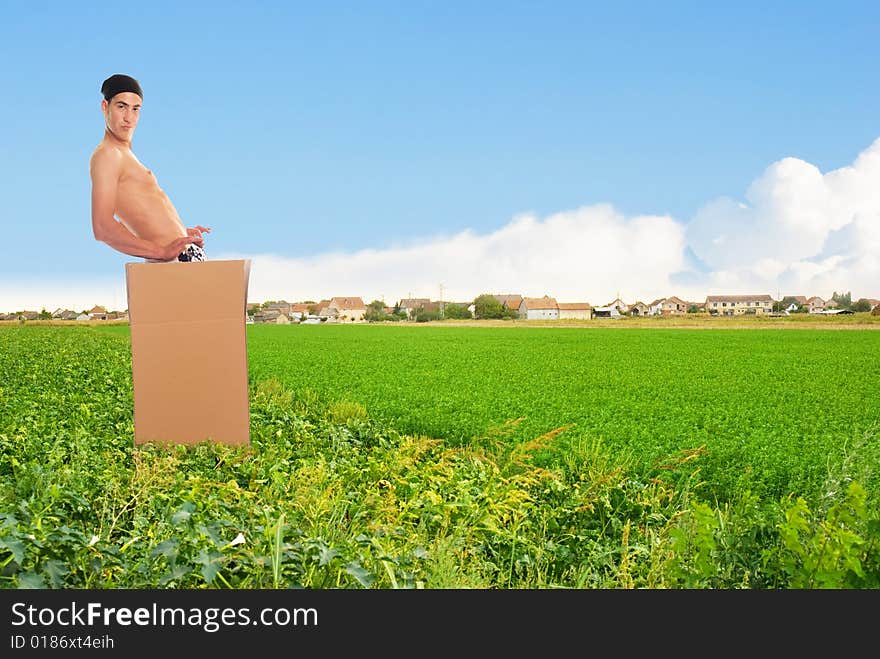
(173, 249)
(196, 233)
(193, 236)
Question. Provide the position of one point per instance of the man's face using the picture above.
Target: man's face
(122, 113)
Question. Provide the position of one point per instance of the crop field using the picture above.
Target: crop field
(402, 456)
(769, 408)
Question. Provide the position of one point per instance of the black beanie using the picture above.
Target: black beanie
(118, 83)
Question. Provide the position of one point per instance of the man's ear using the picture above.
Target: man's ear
(104, 105)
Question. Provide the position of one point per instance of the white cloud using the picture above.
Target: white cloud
(588, 254)
(802, 232)
(797, 231)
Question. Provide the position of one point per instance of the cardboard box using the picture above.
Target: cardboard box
(189, 351)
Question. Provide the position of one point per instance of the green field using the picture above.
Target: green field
(769, 406)
(403, 456)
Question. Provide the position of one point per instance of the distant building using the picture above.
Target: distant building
(509, 301)
(606, 312)
(638, 309)
(575, 310)
(97, 313)
(792, 303)
(281, 306)
(328, 313)
(351, 309)
(620, 305)
(673, 306)
(411, 305)
(655, 308)
(539, 308)
(815, 304)
(737, 305)
(299, 310)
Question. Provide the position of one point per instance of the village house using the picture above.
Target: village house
(792, 303)
(299, 310)
(97, 313)
(673, 306)
(655, 308)
(638, 309)
(620, 305)
(424, 304)
(281, 306)
(63, 314)
(348, 309)
(316, 308)
(328, 313)
(539, 308)
(267, 316)
(22, 315)
(736, 305)
(606, 312)
(411, 305)
(509, 301)
(815, 304)
(575, 310)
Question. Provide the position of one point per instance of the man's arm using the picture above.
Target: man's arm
(105, 169)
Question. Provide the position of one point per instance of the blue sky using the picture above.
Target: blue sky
(387, 149)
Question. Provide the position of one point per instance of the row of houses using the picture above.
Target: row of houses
(352, 309)
(95, 313)
(715, 305)
(731, 305)
(337, 309)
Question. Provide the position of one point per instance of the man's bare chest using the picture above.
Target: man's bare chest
(137, 178)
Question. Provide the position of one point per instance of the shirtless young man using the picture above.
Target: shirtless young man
(148, 226)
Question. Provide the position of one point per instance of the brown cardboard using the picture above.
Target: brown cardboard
(189, 351)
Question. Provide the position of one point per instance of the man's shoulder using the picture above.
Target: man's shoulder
(108, 150)
(106, 155)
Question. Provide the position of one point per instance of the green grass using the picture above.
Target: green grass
(380, 458)
(770, 408)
